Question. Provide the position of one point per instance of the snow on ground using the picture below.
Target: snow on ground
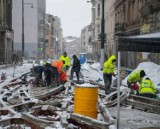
(91, 72)
(152, 71)
(135, 119)
(19, 70)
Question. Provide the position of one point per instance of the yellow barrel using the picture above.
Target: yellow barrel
(86, 100)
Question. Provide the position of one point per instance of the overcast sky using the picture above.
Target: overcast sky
(74, 14)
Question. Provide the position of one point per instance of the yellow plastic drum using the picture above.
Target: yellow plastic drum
(86, 100)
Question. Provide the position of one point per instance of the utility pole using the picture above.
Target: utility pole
(22, 29)
(102, 34)
(44, 32)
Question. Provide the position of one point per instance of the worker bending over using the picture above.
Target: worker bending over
(147, 89)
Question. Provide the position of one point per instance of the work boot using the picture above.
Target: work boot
(78, 82)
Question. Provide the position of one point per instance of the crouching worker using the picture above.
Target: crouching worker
(55, 79)
(133, 79)
(147, 89)
(38, 70)
(47, 73)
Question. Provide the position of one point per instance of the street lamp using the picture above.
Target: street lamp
(102, 34)
(22, 29)
(23, 25)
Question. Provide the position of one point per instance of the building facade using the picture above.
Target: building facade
(109, 16)
(49, 43)
(34, 27)
(58, 38)
(6, 32)
(72, 46)
(134, 17)
(86, 44)
(96, 29)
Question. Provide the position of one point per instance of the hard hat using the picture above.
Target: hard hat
(44, 63)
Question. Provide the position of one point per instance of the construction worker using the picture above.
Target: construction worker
(147, 88)
(51, 75)
(66, 60)
(47, 73)
(59, 65)
(55, 78)
(38, 70)
(108, 71)
(62, 73)
(63, 77)
(134, 78)
(75, 68)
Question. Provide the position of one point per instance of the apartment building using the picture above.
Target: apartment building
(58, 38)
(49, 43)
(96, 29)
(86, 44)
(134, 17)
(34, 27)
(6, 32)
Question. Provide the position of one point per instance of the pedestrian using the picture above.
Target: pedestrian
(66, 60)
(75, 68)
(147, 88)
(108, 71)
(134, 78)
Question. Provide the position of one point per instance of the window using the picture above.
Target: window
(98, 29)
(98, 13)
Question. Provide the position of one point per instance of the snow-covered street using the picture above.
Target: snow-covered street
(52, 108)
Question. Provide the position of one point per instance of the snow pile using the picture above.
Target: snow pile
(152, 71)
(92, 72)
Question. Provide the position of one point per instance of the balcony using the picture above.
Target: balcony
(149, 7)
(120, 28)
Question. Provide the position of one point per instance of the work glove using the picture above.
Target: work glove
(132, 84)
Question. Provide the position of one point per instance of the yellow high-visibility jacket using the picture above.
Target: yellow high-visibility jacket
(147, 86)
(66, 59)
(108, 66)
(135, 77)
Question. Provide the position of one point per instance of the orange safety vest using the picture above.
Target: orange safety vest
(58, 64)
(63, 76)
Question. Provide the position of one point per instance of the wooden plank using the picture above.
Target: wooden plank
(143, 106)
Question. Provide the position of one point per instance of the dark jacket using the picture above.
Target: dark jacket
(39, 70)
(76, 64)
(47, 72)
(54, 73)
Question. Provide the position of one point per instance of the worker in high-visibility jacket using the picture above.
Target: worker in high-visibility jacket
(63, 77)
(62, 73)
(108, 71)
(58, 64)
(147, 88)
(134, 78)
(66, 60)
